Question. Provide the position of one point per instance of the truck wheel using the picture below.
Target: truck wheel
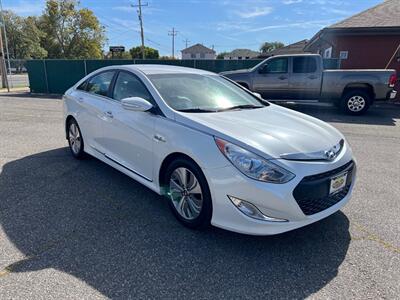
(355, 102)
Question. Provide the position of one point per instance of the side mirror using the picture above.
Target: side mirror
(263, 69)
(136, 104)
(257, 95)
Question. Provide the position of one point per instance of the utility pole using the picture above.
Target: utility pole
(139, 6)
(186, 41)
(173, 33)
(6, 44)
(3, 68)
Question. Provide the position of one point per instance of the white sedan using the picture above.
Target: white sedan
(220, 154)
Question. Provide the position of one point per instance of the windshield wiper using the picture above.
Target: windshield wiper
(243, 106)
(196, 109)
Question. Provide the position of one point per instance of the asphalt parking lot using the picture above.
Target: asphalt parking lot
(79, 229)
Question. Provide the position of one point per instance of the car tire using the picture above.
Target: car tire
(355, 102)
(75, 139)
(190, 201)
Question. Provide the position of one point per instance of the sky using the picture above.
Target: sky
(222, 24)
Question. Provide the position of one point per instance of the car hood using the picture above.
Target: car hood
(271, 131)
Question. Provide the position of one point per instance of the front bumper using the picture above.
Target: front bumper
(273, 200)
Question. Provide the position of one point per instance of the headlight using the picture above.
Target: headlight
(253, 165)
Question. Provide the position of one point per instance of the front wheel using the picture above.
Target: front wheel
(356, 102)
(189, 195)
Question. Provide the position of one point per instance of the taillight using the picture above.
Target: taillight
(392, 80)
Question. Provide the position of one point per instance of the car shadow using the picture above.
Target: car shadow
(26, 95)
(92, 222)
(378, 114)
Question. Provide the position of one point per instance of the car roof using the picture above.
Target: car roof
(150, 69)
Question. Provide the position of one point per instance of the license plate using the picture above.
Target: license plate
(338, 183)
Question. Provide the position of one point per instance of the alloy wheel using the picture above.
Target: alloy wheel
(74, 138)
(185, 193)
(356, 103)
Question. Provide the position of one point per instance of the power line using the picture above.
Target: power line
(141, 23)
(157, 44)
(186, 41)
(173, 33)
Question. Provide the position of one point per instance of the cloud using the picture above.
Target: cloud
(256, 12)
(304, 25)
(288, 2)
(126, 8)
(232, 25)
(127, 23)
(336, 11)
(146, 10)
(26, 8)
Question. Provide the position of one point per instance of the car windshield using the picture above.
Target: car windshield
(203, 93)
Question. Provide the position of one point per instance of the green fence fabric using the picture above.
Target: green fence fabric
(62, 74)
(37, 76)
(55, 76)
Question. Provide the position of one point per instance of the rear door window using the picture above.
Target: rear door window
(304, 65)
(100, 84)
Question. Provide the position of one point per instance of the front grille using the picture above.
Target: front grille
(331, 173)
(312, 193)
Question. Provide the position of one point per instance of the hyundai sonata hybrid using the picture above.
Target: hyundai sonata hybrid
(219, 153)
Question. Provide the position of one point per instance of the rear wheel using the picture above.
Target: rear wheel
(188, 193)
(75, 139)
(356, 102)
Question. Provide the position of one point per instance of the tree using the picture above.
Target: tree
(270, 46)
(150, 53)
(166, 57)
(221, 55)
(70, 32)
(119, 55)
(23, 37)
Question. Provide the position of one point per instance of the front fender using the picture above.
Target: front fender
(176, 137)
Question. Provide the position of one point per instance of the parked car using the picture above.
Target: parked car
(219, 153)
(302, 77)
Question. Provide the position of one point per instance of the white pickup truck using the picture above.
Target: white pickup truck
(303, 78)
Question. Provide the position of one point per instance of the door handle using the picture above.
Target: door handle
(312, 77)
(80, 99)
(282, 77)
(109, 114)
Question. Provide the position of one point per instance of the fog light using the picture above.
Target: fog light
(252, 211)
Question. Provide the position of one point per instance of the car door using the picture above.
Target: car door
(90, 96)
(305, 78)
(272, 79)
(128, 135)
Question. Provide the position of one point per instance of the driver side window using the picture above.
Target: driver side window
(274, 66)
(128, 85)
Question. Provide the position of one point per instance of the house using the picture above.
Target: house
(370, 39)
(295, 48)
(198, 51)
(242, 54)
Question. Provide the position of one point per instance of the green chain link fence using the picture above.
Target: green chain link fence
(55, 76)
